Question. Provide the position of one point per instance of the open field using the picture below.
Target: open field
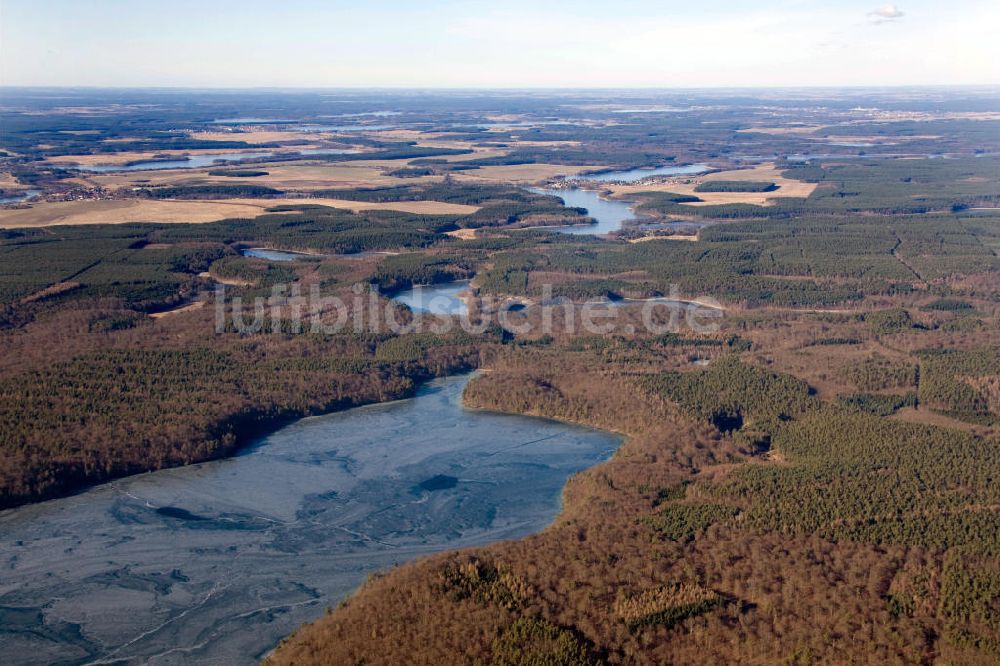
(476, 154)
(674, 237)
(464, 234)
(544, 144)
(302, 176)
(8, 182)
(764, 173)
(932, 418)
(418, 207)
(315, 176)
(124, 211)
(127, 157)
(197, 305)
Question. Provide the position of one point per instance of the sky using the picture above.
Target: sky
(491, 44)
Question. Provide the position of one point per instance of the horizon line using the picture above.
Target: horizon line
(431, 87)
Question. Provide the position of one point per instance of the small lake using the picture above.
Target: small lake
(856, 144)
(520, 123)
(25, 196)
(635, 175)
(439, 299)
(290, 255)
(806, 157)
(655, 109)
(249, 120)
(355, 127)
(193, 162)
(217, 562)
(202, 161)
(377, 114)
(277, 255)
(659, 300)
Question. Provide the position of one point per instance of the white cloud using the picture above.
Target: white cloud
(885, 13)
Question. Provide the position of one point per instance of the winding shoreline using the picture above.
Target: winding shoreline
(291, 540)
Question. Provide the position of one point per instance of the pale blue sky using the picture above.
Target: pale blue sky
(458, 43)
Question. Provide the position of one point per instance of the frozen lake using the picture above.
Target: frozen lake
(439, 299)
(192, 162)
(635, 175)
(215, 563)
(277, 255)
(203, 161)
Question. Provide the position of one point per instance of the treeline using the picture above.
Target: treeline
(963, 383)
(402, 151)
(238, 173)
(732, 270)
(501, 205)
(850, 479)
(211, 192)
(322, 229)
(878, 372)
(598, 156)
(101, 262)
(252, 272)
(117, 412)
(847, 478)
(878, 404)
(449, 192)
(402, 271)
(735, 186)
(543, 210)
(733, 395)
(154, 266)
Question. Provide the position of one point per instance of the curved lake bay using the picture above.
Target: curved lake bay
(217, 562)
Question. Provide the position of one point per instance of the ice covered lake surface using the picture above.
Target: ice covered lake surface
(215, 563)
(277, 255)
(18, 198)
(635, 175)
(291, 255)
(440, 299)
